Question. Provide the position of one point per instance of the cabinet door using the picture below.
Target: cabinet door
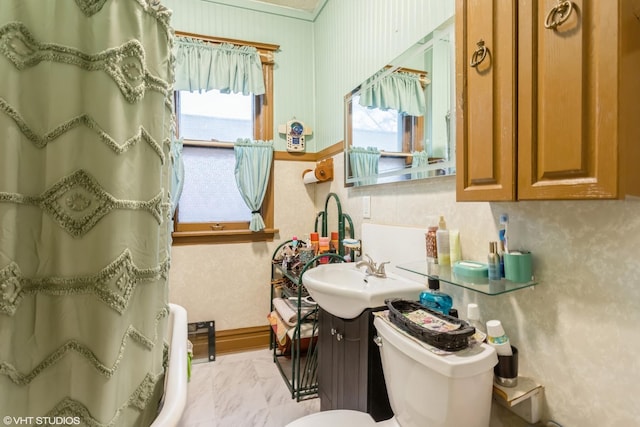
(485, 97)
(353, 357)
(568, 99)
(327, 361)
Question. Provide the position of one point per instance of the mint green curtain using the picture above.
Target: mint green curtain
(364, 164)
(419, 159)
(85, 130)
(253, 166)
(204, 66)
(177, 174)
(399, 91)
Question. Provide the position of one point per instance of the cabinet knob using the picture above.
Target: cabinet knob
(378, 341)
(479, 54)
(558, 14)
(339, 337)
(333, 331)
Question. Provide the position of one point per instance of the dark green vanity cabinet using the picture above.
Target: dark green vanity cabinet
(349, 367)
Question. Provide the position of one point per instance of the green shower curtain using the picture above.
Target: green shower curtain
(85, 136)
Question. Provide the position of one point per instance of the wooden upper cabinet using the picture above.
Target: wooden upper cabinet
(485, 97)
(576, 134)
(578, 90)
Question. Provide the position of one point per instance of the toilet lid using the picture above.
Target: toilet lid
(336, 418)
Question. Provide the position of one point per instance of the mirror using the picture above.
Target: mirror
(400, 122)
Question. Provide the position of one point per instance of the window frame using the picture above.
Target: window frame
(235, 231)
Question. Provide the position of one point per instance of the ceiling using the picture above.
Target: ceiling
(305, 5)
(306, 10)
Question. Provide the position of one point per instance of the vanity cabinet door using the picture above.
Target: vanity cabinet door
(485, 97)
(350, 369)
(327, 361)
(578, 89)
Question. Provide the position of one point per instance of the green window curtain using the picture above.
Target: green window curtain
(253, 166)
(177, 173)
(364, 164)
(399, 91)
(202, 66)
(419, 160)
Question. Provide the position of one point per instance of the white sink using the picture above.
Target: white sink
(345, 291)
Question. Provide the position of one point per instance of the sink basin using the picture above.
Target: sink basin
(345, 291)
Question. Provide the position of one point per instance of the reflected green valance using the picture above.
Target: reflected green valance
(203, 66)
(399, 91)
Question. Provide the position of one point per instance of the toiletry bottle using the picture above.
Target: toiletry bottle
(334, 243)
(497, 338)
(502, 232)
(315, 242)
(324, 248)
(432, 249)
(430, 240)
(455, 254)
(473, 317)
(442, 243)
(434, 299)
(493, 263)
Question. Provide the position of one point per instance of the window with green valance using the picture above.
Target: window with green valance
(204, 66)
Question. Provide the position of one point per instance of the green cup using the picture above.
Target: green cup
(517, 266)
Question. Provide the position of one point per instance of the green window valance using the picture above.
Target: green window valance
(400, 91)
(204, 66)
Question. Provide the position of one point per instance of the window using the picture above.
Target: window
(211, 209)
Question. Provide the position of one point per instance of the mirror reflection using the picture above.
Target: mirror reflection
(399, 123)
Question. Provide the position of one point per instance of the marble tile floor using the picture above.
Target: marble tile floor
(241, 390)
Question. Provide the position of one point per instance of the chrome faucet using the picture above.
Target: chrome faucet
(371, 268)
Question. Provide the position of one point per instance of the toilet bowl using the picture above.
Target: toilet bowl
(425, 389)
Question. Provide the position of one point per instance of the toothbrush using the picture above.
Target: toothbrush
(502, 235)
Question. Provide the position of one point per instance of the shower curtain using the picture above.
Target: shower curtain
(85, 170)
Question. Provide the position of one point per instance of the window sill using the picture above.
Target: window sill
(216, 237)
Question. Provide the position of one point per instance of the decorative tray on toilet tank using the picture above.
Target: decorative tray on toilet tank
(432, 327)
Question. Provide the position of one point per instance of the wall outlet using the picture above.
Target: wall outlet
(366, 207)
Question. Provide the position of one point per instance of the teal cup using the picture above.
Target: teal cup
(517, 266)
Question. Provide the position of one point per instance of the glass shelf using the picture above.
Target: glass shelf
(482, 285)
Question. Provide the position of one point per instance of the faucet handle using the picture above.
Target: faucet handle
(369, 259)
(380, 269)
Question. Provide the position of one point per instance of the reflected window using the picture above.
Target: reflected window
(373, 127)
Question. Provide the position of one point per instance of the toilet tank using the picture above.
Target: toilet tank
(430, 390)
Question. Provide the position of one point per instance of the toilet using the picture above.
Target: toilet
(425, 389)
